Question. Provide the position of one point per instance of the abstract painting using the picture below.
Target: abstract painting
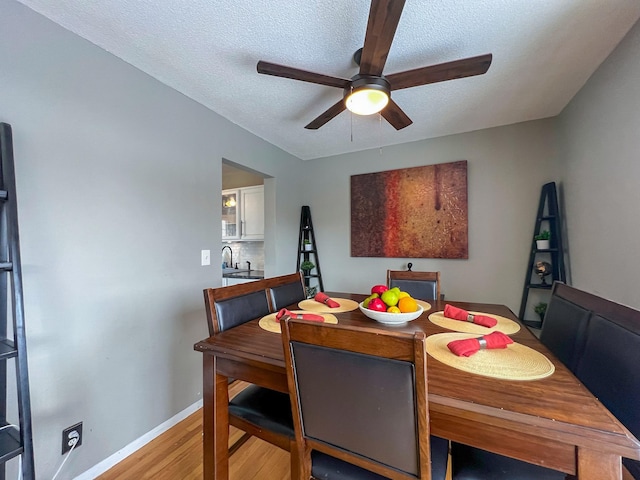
(418, 212)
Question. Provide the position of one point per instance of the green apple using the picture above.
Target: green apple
(390, 298)
(365, 304)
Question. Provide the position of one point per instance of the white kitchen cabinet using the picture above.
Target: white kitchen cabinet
(230, 214)
(243, 214)
(252, 213)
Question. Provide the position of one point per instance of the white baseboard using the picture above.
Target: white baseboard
(120, 455)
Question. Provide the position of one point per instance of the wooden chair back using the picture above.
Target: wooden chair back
(286, 290)
(227, 307)
(420, 285)
(256, 410)
(359, 395)
(234, 305)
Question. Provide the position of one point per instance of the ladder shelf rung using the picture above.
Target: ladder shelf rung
(10, 446)
(7, 349)
(6, 266)
(3, 195)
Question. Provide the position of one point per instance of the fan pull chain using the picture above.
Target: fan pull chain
(380, 130)
(351, 118)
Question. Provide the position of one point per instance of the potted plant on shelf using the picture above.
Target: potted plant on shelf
(540, 309)
(306, 267)
(307, 244)
(542, 240)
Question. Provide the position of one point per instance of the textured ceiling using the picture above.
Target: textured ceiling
(543, 52)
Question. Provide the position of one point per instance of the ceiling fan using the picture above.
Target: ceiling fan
(369, 91)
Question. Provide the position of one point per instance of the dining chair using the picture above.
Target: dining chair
(563, 333)
(609, 363)
(286, 290)
(420, 285)
(360, 403)
(256, 410)
(564, 325)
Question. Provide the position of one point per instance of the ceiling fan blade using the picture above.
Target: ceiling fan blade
(466, 67)
(302, 75)
(395, 116)
(383, 21)
(324, 117)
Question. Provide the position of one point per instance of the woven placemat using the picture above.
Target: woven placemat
(505, 325)
(346, 305)
(425, 305)
(516, 362)
(269, 323)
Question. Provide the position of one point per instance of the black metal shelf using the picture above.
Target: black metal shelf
(545, 250)
(549, 213)
(13, 441)
(7, 349)
(307, 235)
(10, 445)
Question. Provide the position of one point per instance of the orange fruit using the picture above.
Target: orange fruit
(407, 304)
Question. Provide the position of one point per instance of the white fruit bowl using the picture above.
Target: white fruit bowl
(391, 318)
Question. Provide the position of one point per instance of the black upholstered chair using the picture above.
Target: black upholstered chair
(420, 285)
(469, 463)
(360, 403)
(599, 341)
(258, 411)
(609, 366)
(563, 332)
(286, 290)
(564, 325)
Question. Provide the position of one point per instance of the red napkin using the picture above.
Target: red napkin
(299, 316)
(459, 314)
(469, 346)
(324, 298)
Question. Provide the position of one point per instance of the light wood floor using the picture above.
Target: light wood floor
(177, 455)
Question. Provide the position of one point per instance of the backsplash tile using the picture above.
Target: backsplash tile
(243, 252)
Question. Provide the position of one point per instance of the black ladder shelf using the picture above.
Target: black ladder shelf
(309, 254)
(548, 218)
(13, 441)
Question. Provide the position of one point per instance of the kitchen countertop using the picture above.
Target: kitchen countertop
(246, 274)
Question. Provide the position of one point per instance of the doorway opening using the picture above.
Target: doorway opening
(243, 214)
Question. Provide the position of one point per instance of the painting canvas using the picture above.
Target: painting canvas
(418, 212)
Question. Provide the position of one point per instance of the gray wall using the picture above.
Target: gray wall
(118, 189)
(506, 168)
(600, 133)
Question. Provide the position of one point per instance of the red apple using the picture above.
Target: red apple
(379, 289)
(377, 305)
(365, 304)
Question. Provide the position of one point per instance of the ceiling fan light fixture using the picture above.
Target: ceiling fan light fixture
(367, 95)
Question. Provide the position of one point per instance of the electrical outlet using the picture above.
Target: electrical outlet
(68, 434)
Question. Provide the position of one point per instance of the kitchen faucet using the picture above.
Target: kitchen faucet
(230, 253)
(248, 265)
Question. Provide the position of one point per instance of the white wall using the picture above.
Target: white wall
(118, 181)
(600, 132)
(507, 167)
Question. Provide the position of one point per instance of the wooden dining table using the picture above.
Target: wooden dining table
(555, 421)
